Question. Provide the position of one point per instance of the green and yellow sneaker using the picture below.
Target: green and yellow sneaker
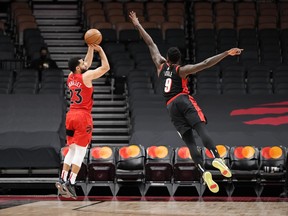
(213, 186)
(220, 164)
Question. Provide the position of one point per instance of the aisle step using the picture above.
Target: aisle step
(64, 63)
(69, 50)
(108, 97)
(54, 6)
(73, 42)
(110, 130)
(61, 57)
(57, 22)
(56, 15)
(109, 109)
(60, 27)
(56, 12)
(57, 29)
(62, 35)
(102, 122)
(109, 103)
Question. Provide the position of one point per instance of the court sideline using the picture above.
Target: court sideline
(134, 206)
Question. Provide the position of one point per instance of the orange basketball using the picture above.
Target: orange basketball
(93, 36)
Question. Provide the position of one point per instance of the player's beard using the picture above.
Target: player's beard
(83, 71)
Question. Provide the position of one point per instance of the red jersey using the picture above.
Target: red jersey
(81, 95)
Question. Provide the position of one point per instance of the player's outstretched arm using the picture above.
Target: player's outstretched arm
(98, 72)
(192, 69)
(89, 56)
(157, 58)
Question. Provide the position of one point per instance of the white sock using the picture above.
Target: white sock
(64, 175)
(72, 177)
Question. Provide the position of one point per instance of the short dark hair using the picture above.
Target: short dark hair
(44, 48)
(73, 63)
(174, 55)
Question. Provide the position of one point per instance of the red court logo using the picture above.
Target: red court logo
(270, 110)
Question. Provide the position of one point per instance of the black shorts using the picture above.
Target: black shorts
(184, 112)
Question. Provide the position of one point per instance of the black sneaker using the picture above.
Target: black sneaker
(59, 186)
(284, 194)
(70, 190)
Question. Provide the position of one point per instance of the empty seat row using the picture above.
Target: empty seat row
(155, 11)
(26, 81)
(240, 15)
(116, 167)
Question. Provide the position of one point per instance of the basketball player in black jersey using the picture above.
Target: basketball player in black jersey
(184, 112)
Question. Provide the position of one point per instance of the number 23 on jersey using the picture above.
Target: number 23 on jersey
(76, 96)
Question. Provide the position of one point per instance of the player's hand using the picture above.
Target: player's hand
(234, 51)
(134, 18)
(95, 47)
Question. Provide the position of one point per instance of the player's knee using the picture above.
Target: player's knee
(80, 153)
(70, 155)
(188, 136)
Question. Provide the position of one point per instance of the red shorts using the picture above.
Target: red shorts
(80, 122)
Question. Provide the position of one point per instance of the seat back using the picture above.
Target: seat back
(101, 163)
(159, 163)
(130, 157)
(273, 158)
(244, 158)
(184, 168)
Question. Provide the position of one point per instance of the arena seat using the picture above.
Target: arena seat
(101, 168)
(130, 162)
(159, 167)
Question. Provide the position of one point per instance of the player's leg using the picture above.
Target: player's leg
(206, 139)
(82, 138)
(184, 115)
(209, 144)
(80, 152)
(77, 160)
(70, 119)
(188, 138)
(65, 170)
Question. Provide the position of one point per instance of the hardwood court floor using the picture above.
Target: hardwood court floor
(129, 206)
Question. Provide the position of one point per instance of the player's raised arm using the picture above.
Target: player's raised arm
(98, 72)
(209, 62)
(92, 36)
(89, 57)
(157, 58)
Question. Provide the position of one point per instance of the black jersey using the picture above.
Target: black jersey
(171, 83)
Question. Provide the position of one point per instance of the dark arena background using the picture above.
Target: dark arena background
(136, 163)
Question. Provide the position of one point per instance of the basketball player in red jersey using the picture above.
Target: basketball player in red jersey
(184, 112)
(79, 122)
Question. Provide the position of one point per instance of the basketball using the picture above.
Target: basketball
(93, 36)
